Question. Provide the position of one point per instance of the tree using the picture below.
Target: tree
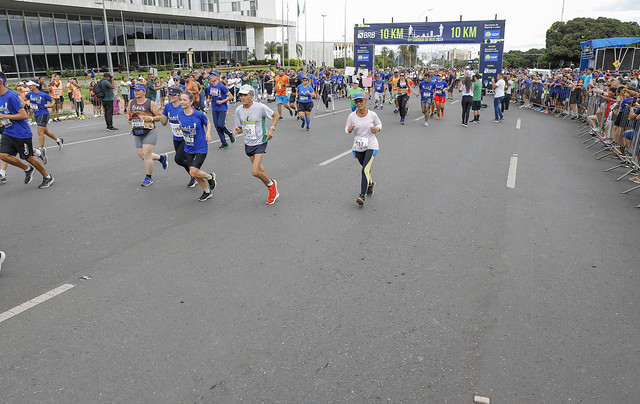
(251, 54)
(413, 54)
(339, 63)
(563, 39)
(403, 52)
(271, 48)
(299, 50)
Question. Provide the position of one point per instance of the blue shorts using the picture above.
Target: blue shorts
(42, 120)
(257, 149)
(282, 99)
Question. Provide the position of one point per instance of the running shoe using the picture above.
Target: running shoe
(426, 123)
(2, 257)
(370, 188)
(28, 175)
(46, 182)
(443, 114)
(302, 126)
(381, 106)
(222, 147)
(273, 193)
(395, 111)
(280, 118)
(402, 122)
(164, 160)
(495, 121)
(205, 195)
(113, 129)
(360, 200)
(3, 179)
(465, 125)
(291, 112)
(146, 182)
(60, 143)
(192, 183)
(212, 182)
(232, 138)
(438, 118)
(376, 107)
(43, 155)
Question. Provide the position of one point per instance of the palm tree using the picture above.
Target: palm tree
(271, 48)
(413, 53)
(392, 56)
(251, 54)
(403, 51)
(299, 50)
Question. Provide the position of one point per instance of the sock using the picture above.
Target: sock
(38, 153)
(307, 120)
(3, 172)
(29, 168)
(270, 183)
(48, 176)
(148, 176)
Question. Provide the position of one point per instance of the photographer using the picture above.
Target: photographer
(107, 101)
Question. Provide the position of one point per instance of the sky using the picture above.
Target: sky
(526, 21)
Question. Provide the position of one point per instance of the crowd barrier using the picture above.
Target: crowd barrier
(603, 122)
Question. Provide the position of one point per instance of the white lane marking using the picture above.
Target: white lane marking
(455, 102)
(89, 140)
(34, 302)
(518, 122)
(331, 160)
(513, 167)
(331, 113)
(420, 117)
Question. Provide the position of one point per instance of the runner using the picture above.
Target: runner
(305, 102)
(364, 125)
(353, 90)
(282, 81)
(441, 96)
(17, 135)
(196, 131)
(142, 115)
(170, 115)
(378, 86)
(219, 96)
(394, 89)
(402, 86)
(39, 105)
(477, 98)
(294, 82)
(326, 89)
(426, 97)
(251, 120)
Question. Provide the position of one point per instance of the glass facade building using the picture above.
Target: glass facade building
(40, 36)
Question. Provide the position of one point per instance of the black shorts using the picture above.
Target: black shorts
(292, 98)
(257, 149)
(476, 105)
(59, 101)
(305, 106)
(195, 160)
(42, 120)
(12, 145)
(620, 117)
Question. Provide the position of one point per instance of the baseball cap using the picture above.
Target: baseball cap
(175, 90)
(107, 74)
(215, 73)
(246, 89)
(358, 96)
(140, 87)
(31, 83)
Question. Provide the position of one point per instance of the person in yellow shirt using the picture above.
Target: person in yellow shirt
(58, 97)
(77, 98)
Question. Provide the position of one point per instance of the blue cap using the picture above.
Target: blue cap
(358, 96)
(140, 87)
(215, 73)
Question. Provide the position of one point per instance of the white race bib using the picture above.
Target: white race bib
(215, 92)
(175, 129)
(360, 144)
(34, 107)
(249, 131)
(137, 123)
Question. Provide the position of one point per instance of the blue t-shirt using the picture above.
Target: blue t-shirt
(194, 133)
(379, 86)
(217, 93)
(10, 104)
(624, 105)
(38, 102)
(172, 113)
(440, 86)
(426, 90)
(304, 93)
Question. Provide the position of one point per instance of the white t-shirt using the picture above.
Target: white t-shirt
(500, 88)
(253, 121)
(362, 128)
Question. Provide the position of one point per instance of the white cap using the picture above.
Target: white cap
(246, 89)
(31, 83)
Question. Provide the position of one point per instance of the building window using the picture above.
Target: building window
(98, 32)
(5, 38)
(235, 6)
(62, 32)
(48, 30)
(76, 31)
(33, 29)
(87, 31)
(16, 22)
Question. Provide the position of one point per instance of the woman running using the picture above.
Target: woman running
(196, 131)
(170, 115)
(364, 125)
(306, 94)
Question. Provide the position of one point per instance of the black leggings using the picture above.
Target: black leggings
(402, 105)
(365, 159)
(505, 102)
(181, 156)
(467, 101)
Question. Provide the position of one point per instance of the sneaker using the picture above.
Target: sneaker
(426, 123)
(205, 195)
(112, 129)
(443, 114)
(438, 118)
(273, 193)
(43, 155)
(476, 121)
(307, 129)
(402, 122)
(192, 183)
(212, 182)
(495, 121)
(291, 112)
(302, 126)
(395, 111)
(280, 118)
(2, 257)
(223, 146)
(164, 160)
(46, 182)
(60, 142)
(465, 125)
(360, 200)
(376, 107)
(232, 138)
(146, 182)
(381, 106)
(28, 175)
(370, 188)
(3, 179)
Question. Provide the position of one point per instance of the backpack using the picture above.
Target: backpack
(98, 91)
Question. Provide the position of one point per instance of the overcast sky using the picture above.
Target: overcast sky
(526, 21)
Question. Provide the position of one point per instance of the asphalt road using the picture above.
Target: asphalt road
(446, 284)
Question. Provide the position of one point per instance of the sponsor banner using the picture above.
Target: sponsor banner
(419, 33)
(490, 62)
(364, 57)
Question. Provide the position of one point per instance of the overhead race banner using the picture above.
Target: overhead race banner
(426, 33)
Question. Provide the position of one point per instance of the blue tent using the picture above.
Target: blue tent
(589, 47)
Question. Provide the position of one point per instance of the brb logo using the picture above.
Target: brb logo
(492, 34)
(366, 34)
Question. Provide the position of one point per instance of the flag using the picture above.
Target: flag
(298, 1)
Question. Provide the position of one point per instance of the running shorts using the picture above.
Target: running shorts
(195, 160)
(282, 99)
(42, 120)
(378, 96)
(150, 138)
(440, 99)
(426, 103)
(12, 145)
(305, 106)
(257, 149)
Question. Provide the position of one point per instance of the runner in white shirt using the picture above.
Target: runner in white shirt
(363, 125)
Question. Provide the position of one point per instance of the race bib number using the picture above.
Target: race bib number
(188, 136)
(304, 97)
(6, 122)
(175, 130)
(288, 91)
(34, 107)
(137, 123)
(360, 144)
(249, 131)
(215, 92)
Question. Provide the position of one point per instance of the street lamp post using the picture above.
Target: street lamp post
(323, 62)
(106, 36)
(345, 35)
(124, 37)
